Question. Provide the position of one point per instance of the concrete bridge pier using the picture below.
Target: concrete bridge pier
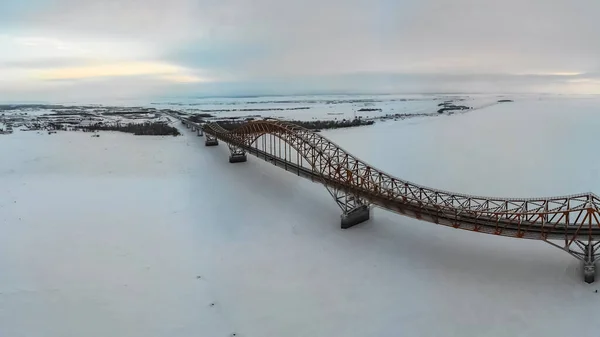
(237, 158)
(589, 272)
(589, 263)
(355, 216)
(237, 155)
(211, 140)
(193, 128)
(586, 252)
(200, 133)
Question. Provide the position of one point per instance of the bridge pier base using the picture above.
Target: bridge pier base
(586, 252)
(589, 262)
(589, 272)
(355, 216)
(238, 155)
(200, 133)
(237, 158)
(211, 141)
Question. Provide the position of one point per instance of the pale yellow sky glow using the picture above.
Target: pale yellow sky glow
(182, 78)
(164, 71)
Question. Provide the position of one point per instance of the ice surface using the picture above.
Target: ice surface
(106, 236)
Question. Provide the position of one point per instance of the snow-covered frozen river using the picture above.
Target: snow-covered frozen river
(150, 236)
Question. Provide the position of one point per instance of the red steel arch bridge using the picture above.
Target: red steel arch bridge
(570, 223)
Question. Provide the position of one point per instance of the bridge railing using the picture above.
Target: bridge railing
(572, 219)
(330, 160)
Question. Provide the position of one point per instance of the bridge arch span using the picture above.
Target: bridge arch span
(308, 145)
(571, 223)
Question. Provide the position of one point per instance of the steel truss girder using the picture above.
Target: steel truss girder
(572, 219)
(567, 217)
(534, 218)
(347, 201)
(588, 252)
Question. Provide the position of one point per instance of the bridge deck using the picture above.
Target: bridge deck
(571, 223)
(423, 213)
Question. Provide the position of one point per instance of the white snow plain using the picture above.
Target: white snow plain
(328, 107)
(137, 236)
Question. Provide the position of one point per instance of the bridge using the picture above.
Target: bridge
(570, 223)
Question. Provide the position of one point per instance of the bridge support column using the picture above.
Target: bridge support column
(193, 128)
(200, 132)
(237, 155)
(355, 216)
(237, 158)
(354, 209)
(211, 140)
(589, 272)
(586, 252)
(589, 263)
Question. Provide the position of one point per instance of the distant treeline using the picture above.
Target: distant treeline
(133, 112)
(205, 115)
(449, 106)
(311, 125)
(257, 109)
(141, 129)
(199, 118)
(453, 108)
(9, 107)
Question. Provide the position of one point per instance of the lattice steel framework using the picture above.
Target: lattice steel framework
(570, 223)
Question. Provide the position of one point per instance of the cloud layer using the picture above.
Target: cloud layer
(233, 47)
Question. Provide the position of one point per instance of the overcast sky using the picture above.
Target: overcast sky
(70, 49)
